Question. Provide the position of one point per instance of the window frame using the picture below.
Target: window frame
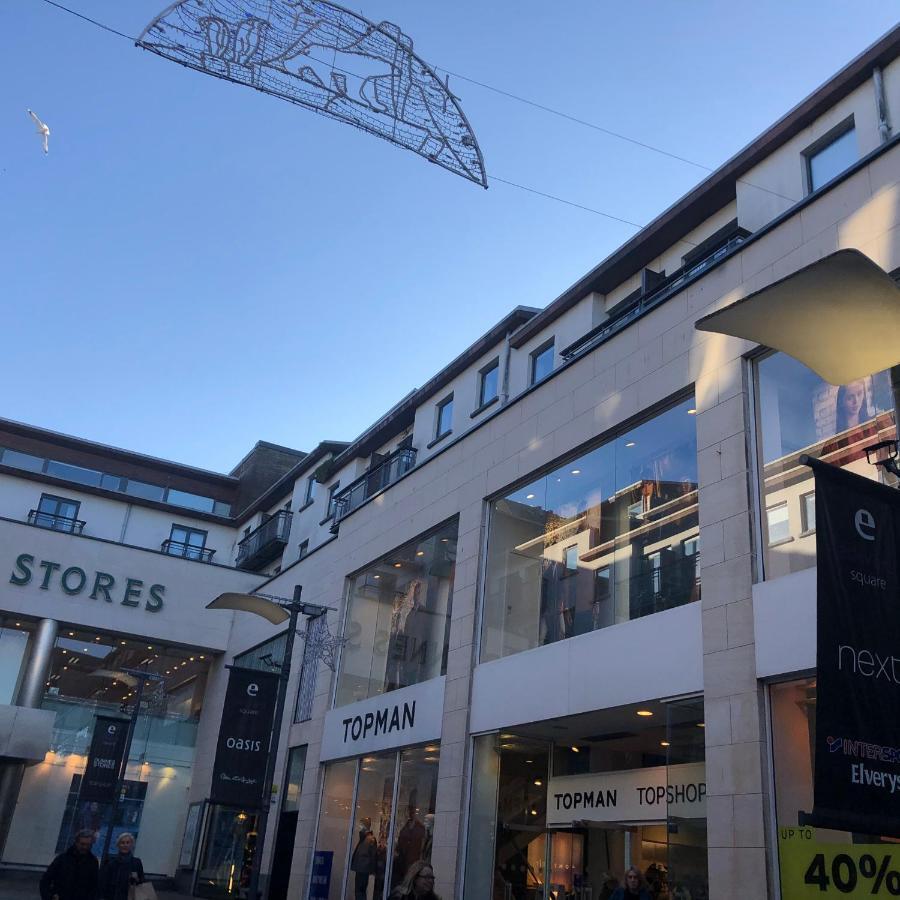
(439, 408)
(535, 355)
(782, 504)
(818, 146)
(55, 517)
(303, 549)
(485, 370)
(807, 526)
(309, 493)
(329, 511)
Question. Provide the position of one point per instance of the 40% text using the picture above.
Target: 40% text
(845, 874)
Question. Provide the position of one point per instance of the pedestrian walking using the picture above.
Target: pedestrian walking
(121, 871)
(73, 874)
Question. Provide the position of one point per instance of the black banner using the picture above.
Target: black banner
(242, 750)
(857, 755)
(104, 759)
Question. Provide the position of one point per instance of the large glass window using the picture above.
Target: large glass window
(799, 413)
(13, 643)
(398, 616)
(610, 536)
(562, 808)
(374, 823)
(58, 513)
(226, 860)
(808, 855)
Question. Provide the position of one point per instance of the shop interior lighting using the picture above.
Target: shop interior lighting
(806, 316)
(701, 724)
(576, 471)
(398, 565)
(71, 634)
(18, 624)
(574, 749)
(644, 713)
(629, 443)
(538, 782)
(529, 496)
(420, 552)
(692, 412)
(664, 744)
(376, 576)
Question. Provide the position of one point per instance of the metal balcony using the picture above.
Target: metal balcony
(265, 543)
(373, 481)
(187, 551)
(55, 522)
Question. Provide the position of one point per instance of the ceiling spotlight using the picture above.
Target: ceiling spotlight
(664, 744)
(122, 642)
(71, 634)
(202, 657)
(192, 659)
(538, 782)
(398, 565)
(376, 576)
(644, 712)
(65, 668)
(692, 412)
(420, 552)
(149, 647)
(529, 496)
(701, 724)
(444, 540)
(533, 811)
(629, 443)
(576, 471)
(574, 749)
(18, 624)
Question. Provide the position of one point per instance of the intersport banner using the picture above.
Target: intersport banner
(242, 750)
(857, 755)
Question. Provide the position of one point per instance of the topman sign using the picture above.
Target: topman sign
(74, 581)
(411, 715)
(635, 795)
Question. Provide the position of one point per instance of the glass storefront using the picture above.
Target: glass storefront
(562, 809)
(816, 861)
(610, 536)
(398, 617)
(800, 413)
(226, 860)
(376, 819)
(94, 674)
(13, 644)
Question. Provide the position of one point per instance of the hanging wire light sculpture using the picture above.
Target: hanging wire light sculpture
(328, 59)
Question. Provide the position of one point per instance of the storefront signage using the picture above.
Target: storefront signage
(633, 795)
(104, 762)
(857, 754)
(320, 880)
(810, 868)
(242, 749)
(73, 580)
(408, 716)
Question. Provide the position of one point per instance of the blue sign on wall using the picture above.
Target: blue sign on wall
(320, 883)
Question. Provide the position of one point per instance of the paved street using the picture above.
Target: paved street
(18, 886)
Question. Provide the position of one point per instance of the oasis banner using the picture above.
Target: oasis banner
(242, 751)
(857, 755)
(101, 773)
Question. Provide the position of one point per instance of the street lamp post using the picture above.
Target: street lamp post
(275, 610)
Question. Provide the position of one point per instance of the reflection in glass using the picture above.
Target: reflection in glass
(414, 822)
(398, 617)
(334, 823)
(371, 829)
(832, 159)
(799, 413)
(294, 778)
(793, 709)
(610, 536)
(227, 857)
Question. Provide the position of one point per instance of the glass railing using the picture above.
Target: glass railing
(266, 542)
(188, 551)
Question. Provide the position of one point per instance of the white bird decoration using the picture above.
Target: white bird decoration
(42, 130)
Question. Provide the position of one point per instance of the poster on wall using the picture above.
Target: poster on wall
(857, 755)
(104, 762)
(242, 748)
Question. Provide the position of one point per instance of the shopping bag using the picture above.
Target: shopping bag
(144, 891)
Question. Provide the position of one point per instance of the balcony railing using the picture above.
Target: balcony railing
(55, 522)
(373, 481)
(266, 542)
(676, 282)
(188, 551)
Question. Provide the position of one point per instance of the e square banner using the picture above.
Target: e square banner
(242, 749)
(857, 753)
(104, 762)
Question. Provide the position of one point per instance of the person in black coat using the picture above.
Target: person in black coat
(364, 861)
(121, 871)
(73, 874)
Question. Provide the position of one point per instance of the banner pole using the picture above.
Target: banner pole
(263, 818)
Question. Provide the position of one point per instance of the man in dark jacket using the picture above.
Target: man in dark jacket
(73, 874)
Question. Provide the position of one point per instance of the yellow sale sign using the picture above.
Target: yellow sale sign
(811, 868)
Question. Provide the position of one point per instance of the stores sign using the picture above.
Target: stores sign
(397, 719)
(634, 795)
(75, 581)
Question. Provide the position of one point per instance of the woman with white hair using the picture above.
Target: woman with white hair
(120, 871)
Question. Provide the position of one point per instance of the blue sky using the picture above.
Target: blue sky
(196, 266)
